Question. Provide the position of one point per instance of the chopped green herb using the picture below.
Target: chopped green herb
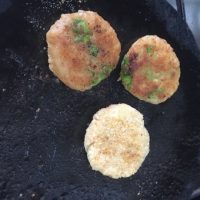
(127, 80)
(154, 94)
(82, 38)
(125, 62)
(80, 26)
(94, 50)
(149, 49)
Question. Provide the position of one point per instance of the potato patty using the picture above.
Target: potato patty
(116, 141)
(151, 70)
(83, 49)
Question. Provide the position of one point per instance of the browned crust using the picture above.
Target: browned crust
(155, 74)
(70, 61)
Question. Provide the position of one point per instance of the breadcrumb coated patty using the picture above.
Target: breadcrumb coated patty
(116, 141)
(151, 70)
(83, 49)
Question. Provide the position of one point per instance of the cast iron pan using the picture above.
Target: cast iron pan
(43, 122)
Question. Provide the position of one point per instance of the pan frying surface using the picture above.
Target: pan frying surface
(42, 122)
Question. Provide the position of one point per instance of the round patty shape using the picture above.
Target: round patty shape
(83, 49)
(116, 141)
(151, 70)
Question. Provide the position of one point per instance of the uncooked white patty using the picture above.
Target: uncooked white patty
(116, 141)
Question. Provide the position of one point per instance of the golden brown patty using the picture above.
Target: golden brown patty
(151, 70)
(116, 141)
(83, 49)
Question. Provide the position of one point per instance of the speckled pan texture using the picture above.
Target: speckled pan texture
(43, 122)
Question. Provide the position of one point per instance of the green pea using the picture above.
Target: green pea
(126, 80)
(149, 49)
(80, 26)
(98, 78)
(82, 38)
(125, 62)
(94, 50)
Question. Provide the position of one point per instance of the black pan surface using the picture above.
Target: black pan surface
(43, 122)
